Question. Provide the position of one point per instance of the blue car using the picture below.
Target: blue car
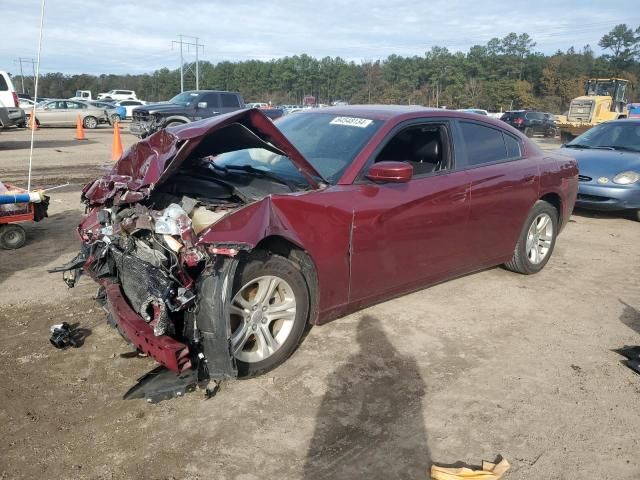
(609, 163)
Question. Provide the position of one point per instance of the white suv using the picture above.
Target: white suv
(118, 95)
(10, 113)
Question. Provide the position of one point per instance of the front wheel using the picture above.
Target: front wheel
(268, 313)
(12, 236)
(537, 240)
(90, 122)
(173, 124)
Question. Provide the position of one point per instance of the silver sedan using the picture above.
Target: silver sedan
(65, 112)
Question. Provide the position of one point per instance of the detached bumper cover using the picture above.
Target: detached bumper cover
(169, 352)
(608, 197)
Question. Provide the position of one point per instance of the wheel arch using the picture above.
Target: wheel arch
(554, 199)
(180, 119)
(284, 247)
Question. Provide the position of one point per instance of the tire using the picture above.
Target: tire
(638, 214)
(173, 124)
(525, 260)
(12, 236)
(90, 122)
(115, 118)
(528, 131)
(254, 352)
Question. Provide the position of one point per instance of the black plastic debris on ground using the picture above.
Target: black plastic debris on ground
(633, 357)
(163, 384)
(64, 335)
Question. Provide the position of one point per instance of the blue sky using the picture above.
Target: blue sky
(134, 36)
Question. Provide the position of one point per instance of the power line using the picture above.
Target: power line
(197, 46)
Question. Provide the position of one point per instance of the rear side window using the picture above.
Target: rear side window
(513, 146)
(483, 144)
(229, 100)
(3, 84)
(534, 116)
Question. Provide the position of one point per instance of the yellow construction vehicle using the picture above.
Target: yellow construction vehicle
(604, 99)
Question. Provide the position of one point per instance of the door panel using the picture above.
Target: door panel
(53, 116)
(406, 234)
(501, 196)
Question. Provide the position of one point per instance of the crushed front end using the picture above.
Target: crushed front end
(151, 271)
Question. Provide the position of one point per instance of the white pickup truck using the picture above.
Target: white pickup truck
(10, 112)
(118, 95)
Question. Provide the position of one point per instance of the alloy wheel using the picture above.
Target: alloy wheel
(539, 238)
(262, 314)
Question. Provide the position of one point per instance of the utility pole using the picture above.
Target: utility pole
(181, 66)
(20, 60)
(197, 46)
(197, 69)
(21, 74)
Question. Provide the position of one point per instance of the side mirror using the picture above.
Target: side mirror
(202, 104)
(390, 172)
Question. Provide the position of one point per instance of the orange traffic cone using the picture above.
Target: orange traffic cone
(33, 125)
(79, 129)
(116, 146)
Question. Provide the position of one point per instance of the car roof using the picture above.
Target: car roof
(400, 113)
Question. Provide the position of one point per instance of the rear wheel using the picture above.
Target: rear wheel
(268, 313)
(12, 236)
(537, 240)
(90, 122)
(115, 118)
(528, 131)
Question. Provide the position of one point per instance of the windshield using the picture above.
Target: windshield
(329, 142)
(623, 135)
(185, 99)
(600, 88)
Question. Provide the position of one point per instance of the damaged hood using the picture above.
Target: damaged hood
(153, 160)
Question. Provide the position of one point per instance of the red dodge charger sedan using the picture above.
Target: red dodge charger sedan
(215, 244)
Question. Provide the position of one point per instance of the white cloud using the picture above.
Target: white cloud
(126, 36)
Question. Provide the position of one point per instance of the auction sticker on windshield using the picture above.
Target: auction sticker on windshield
(351, 122)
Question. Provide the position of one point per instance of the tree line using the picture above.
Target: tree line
(505, 73)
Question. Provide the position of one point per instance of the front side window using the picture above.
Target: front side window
(229, 100)
(212, 100)
(425, 147)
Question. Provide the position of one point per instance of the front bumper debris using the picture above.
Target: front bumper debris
(165, 350)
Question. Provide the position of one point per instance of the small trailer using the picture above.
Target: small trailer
(17, 206)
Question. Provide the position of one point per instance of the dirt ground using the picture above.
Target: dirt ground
(490, 364)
